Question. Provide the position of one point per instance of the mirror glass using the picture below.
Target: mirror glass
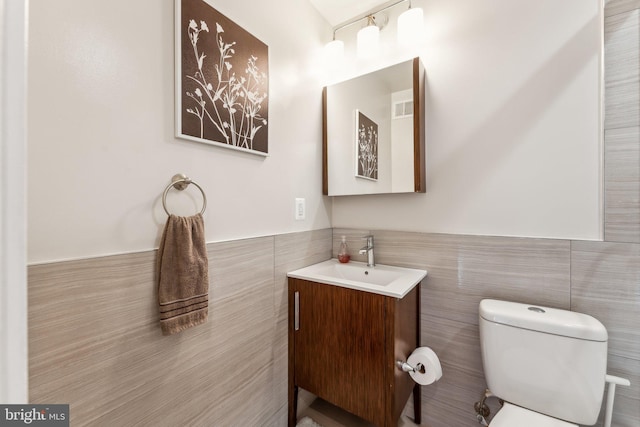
(373, 132)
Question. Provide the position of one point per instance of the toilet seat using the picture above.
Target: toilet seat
(514, 416)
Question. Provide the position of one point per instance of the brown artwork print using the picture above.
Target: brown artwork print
(224, 78)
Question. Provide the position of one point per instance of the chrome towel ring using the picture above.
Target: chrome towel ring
(180, 182)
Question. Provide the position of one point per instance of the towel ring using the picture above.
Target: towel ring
(180, 182)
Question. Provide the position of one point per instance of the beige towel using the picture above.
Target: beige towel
(183, 274)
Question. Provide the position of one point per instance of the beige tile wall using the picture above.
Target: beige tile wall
(622, 105)
(95, 341)
(622, 185)
(605, 283)
(615, 7)
(622, 121)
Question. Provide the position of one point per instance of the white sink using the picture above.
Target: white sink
(381, 279)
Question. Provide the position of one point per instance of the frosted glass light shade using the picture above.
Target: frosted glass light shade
(334, 52)
(367, 41)
(410, 24)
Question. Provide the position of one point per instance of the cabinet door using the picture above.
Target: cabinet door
(340, 347)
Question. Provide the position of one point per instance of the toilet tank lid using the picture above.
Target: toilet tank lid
(543, 319)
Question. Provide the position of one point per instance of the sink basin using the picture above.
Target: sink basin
(381, 279)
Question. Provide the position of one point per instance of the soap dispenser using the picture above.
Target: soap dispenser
(343, 254)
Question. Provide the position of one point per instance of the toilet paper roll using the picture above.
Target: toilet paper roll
(431, 369)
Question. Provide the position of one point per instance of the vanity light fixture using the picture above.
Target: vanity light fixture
(410, 25)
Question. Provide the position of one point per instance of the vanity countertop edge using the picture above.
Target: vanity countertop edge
(397, 288)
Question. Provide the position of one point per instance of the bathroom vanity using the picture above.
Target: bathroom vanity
(346, 337)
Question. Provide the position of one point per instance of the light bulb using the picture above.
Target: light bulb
(367, 41)
(410, 24)
(334, 52)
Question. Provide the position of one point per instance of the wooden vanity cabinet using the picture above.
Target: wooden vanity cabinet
(344, 347)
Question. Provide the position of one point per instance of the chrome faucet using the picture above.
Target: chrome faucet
(369, 251)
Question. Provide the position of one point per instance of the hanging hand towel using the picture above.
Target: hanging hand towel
(183, 274)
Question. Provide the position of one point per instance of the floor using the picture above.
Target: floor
(328, 415)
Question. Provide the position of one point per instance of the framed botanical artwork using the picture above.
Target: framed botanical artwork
(366, 147)
(222, 80)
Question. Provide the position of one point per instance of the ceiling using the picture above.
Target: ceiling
(339, 11)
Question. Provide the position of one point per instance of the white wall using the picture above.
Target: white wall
(512, 126)
(513, 123)
(101, 126)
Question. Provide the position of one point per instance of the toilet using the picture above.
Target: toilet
(548, 365)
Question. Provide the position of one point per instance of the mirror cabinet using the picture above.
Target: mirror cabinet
(374, 132)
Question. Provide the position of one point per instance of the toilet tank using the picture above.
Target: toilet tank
(544, 359)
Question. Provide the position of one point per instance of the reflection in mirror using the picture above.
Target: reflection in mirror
(373, 132)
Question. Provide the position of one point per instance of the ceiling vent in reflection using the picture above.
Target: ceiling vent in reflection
(403, 109)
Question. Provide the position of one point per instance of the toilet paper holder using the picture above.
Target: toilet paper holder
(408, 368)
